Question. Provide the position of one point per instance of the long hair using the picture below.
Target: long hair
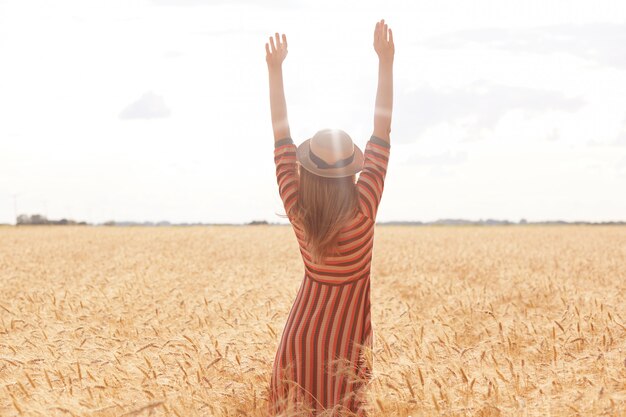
(324, 207)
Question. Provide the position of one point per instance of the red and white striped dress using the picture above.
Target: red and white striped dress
(319, 362)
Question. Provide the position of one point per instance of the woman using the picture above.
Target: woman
(320, 363)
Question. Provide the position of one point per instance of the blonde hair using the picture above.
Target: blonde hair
(324, 206)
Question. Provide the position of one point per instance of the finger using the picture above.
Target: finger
(273, 46)
(277, 40)
(285, 40)
(390, 36)
(267, 48)
(385, 33)
(376, 31)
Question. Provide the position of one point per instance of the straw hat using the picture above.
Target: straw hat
(330, 153)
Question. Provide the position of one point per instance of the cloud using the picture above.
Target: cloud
(227, 32)
(438, 165)
(620, 168)
(173, 53)
(446, 158)
(149, 106)
(599, 42)
(620, 139)
(283, 4)
(187, 3)
(477, 107)
(553, 135)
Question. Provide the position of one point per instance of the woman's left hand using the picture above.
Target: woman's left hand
(277, 53)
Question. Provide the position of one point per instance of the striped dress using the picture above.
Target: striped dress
(319, 363)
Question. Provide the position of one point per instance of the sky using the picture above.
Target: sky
(159, 110)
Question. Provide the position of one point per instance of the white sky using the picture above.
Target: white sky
(159, 110)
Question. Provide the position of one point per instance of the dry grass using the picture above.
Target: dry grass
(491, 321)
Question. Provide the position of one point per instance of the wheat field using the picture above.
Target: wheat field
(185, 321)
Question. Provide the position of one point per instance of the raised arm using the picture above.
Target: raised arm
(274, 58)
(371, 182)
(383, 45)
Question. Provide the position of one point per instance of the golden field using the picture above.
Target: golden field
(185, 321)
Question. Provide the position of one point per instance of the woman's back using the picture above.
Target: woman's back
(355, 241)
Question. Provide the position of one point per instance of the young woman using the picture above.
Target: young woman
(320, 363)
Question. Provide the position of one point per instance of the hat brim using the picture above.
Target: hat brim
(302, 155)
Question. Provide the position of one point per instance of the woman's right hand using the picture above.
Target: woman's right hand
(277, 53)
(383, 44)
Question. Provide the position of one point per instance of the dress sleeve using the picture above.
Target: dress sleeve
(286, 171)
(371, 180)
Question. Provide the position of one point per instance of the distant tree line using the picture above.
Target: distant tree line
(257, 222)
(39, 219)
(496, 222)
